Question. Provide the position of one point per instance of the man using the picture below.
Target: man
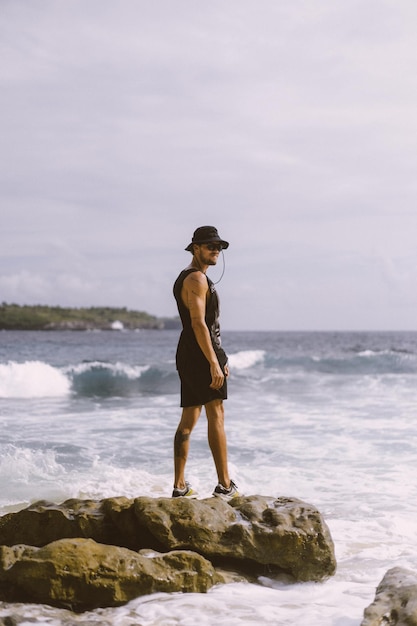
(201, 362)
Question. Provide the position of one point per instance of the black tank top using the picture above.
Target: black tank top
(187, 338)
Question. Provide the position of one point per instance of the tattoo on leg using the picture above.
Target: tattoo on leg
(180, 438)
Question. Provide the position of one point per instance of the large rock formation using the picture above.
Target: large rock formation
(250, 535)
(255, 533)
(395, 601)
(81, 574)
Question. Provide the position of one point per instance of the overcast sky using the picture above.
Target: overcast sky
(291, 125)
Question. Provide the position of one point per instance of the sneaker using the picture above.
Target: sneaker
(187, 492)
(226, 494)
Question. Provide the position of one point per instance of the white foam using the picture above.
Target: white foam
(246, 358)
(28, 475)
(106, 481)
(25, 474)
(23, 464)
(130, 371)
(32, 379)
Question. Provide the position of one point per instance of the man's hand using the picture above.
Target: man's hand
(217, 376)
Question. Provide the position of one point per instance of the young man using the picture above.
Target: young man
(201, 362)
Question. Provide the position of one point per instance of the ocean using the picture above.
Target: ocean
(329, 418)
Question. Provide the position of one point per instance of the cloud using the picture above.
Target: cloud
(290, 128)
(32, 285)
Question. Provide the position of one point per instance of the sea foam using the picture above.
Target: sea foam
(32, 379)
(246, 358)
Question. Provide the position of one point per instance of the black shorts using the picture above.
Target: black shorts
(195, 377)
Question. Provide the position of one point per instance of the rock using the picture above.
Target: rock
(45, 522)
(10, 620)
(395, 601)
(255, 534)
(81, 574)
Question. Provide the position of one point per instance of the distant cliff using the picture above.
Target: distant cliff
(38, 317)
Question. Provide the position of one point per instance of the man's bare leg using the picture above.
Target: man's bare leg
(189, 418)
(217, 440)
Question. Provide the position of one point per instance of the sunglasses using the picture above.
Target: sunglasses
(213, 246)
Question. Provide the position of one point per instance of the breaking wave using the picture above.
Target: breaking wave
(246, 358)
(37, 379)
(32, 379)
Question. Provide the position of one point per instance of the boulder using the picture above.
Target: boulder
(255, 534)
(81, 574)
(395, 601)
(44, 522)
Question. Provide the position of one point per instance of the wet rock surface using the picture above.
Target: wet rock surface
(86, 554)
(80, 574)
(395, 601)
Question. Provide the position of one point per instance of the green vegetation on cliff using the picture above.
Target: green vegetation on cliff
(38, 317)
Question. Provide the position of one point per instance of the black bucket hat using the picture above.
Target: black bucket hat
(206, 234)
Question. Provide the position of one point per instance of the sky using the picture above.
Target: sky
(290, 125)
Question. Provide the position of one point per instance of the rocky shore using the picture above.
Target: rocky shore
(85, 554)
(82, 555)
